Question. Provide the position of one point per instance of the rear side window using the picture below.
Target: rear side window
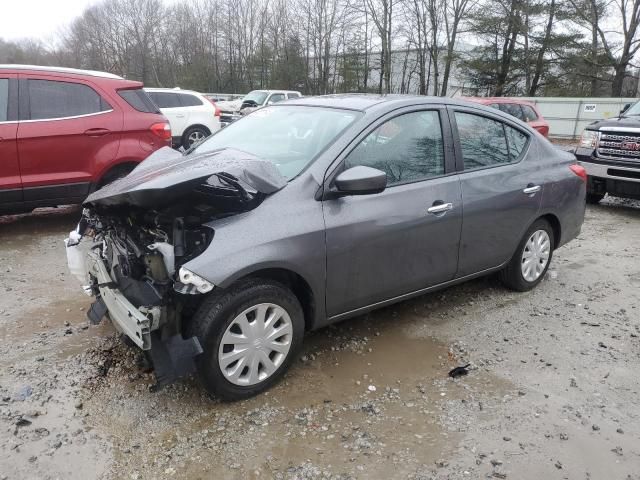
(517, 142)
(486, 142)
(408, 148)
(165, 99)
(530, 114)
(53, 99)
(4, 99)
(189, 100)
(512, 109)
(138, 99)
(483, 141)
(293, 95)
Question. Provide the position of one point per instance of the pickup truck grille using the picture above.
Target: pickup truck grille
(619, 146)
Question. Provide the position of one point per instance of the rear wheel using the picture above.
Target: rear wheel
(531, 259)
(594, 198)
(249, 335)
(114, 174)
(194, 135)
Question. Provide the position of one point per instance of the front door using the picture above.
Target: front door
(406, 238)
(10, 182)
(501, 186)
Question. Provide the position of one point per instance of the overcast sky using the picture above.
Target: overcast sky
(38, 18)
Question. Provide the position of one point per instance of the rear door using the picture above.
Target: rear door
(501, 187)
(405, 238)
(66, 129)
(10, 182)
(172, 108)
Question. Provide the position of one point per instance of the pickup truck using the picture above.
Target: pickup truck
(609, 150)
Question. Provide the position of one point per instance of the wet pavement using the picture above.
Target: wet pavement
(552, 390)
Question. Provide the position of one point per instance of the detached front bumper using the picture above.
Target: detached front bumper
(137, 324)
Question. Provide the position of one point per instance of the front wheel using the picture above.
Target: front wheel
(531, 261)
(250, 335)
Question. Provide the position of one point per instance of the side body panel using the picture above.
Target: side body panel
(285, 232)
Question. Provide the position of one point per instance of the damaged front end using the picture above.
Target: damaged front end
(137, 234)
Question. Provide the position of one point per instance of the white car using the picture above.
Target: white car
(254, 100)
(191, 115)
(260, 98)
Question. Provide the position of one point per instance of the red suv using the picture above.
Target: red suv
(66, 132)
(521, 109)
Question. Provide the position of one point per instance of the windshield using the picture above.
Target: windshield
(288, 136)
(257, 96)
(633, 110)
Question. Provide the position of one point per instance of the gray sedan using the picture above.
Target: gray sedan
(306, 213)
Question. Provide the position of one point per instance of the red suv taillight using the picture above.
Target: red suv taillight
(161, 130)
(579, 171)
(218, 112)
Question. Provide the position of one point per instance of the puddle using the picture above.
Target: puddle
(324, 412)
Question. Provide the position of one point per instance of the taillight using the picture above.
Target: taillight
(161, 130)
(218, 112)
(579, 170)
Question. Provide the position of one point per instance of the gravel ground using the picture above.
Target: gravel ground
(552, 391)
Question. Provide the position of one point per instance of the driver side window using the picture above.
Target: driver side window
(408, 148)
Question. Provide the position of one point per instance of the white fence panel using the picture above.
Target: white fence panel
(567, 116)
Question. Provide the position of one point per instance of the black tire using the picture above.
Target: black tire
(511, 276)
(191, 130)
(114, 174)
(594, 198)
(214, 316)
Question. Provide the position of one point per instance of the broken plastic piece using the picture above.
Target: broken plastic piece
(173, 358)
(97, 311)
(459, 371)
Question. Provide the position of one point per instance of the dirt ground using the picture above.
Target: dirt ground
(553, 390)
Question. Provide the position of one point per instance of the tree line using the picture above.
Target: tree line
(485, 47)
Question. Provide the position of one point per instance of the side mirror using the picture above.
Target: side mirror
(625, 108)
(361, 180)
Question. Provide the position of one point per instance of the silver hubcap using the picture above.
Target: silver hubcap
(535, 255)
(255, 344)
(195, 137)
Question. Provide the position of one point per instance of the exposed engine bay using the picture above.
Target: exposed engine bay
(136, 235)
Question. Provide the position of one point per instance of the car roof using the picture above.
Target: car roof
(171, 90)
(74, 71)
(365, 101)
(275, 91)
(488, 100)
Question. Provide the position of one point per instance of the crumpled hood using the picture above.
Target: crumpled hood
(167, 174)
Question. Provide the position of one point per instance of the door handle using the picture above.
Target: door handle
(97, 132)
(179, 116)
(532, 189)
(440, 208)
